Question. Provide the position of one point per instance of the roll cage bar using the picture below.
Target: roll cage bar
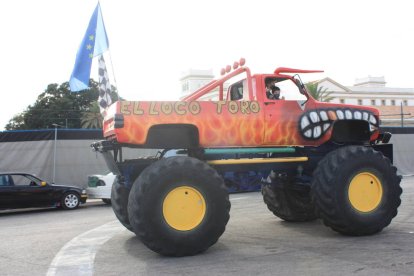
(239, 68)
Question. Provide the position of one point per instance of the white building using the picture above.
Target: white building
(194, 79)
(396, 105)
(368, 91)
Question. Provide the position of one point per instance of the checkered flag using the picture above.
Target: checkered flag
(104, 99)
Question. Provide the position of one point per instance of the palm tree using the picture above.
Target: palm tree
(92, 118)
(318, 93)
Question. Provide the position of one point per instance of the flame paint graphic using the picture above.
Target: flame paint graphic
(237, 123)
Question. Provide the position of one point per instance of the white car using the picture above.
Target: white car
(100, 186)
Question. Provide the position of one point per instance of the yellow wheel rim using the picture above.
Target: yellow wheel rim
(184, 208)
(365, 192)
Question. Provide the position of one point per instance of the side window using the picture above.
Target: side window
(236, 92)
(34, 181)
(4, 180)
(21, 180)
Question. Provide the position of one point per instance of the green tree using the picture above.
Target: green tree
(318, 93)
(58, 105)
(92, 118)
(17, 122)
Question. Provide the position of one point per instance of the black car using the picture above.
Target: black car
(23, 190)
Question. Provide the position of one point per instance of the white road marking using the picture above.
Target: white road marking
(78, 255)
(238, 198)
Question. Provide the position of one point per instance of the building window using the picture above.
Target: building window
(359, 102)
(383, 102)
(372, 102)
(342, 101)
(185, 86)
(392, 102)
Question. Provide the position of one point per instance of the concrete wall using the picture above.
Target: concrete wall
(403, 153)
(75, 159)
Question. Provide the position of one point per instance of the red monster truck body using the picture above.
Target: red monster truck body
(246, 118)
(312, 159)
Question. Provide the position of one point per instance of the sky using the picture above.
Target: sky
(151, 43)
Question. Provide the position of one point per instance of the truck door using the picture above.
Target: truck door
(7, 192)
(29, 192)
(282, 115)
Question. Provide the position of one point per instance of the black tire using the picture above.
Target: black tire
(177, 185)
(106, 201)
(119, 202)
(288, 204)
(70, 201)
(356, 190)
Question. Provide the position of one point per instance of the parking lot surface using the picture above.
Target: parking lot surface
(90, 241)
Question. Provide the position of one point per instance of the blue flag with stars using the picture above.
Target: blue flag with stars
(94, 43)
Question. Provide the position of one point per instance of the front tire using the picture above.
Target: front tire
(179, 206)
(356, 190)
(70, 201)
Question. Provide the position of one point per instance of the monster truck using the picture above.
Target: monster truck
(318, 160)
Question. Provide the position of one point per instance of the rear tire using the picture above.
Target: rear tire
(179, 206)
(356, 190)
(131, 169)
(287, 204)
(119, 202)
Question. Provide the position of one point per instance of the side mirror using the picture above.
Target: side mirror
(43, 183)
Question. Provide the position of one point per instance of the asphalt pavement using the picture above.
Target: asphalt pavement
(90, 241)
(258, 243)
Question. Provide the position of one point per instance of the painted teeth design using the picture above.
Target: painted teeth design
(304, 122)
(372, 120)
(314, 124)
(317, 131)
(357, 115)
(324, 115)
(314, 117)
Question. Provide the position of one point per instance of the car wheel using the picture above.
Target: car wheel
(70, 201)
